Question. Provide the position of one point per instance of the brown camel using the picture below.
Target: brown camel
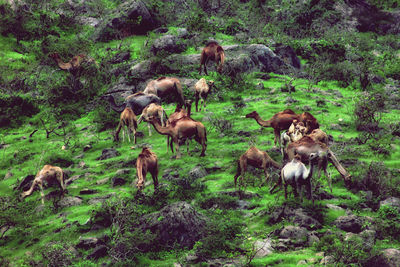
(306, 145)
(309, 121)
(280, 121)
(166, 86)
(73, 64)
(153, 110)
(256, 158)
(212, 51)
(181, 130)
(128, 120)
(320, 136)
(48, 174)
(202, 89)
(146, 162)
(177, 115)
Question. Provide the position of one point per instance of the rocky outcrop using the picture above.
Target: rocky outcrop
(386, 258)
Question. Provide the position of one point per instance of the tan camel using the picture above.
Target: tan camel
(320, 136)
(73, 64)
(153, 110)
(306, 145)
(48, 174)
(256, 158)
(309, 121)
(212, 51)
(181, 130)
(280, 121)
(202, 89)
(146, 162)
(128, 120)
(166, 86)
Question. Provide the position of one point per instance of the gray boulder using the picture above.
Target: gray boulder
(392, 202)
(349, 223)
(108, 153)
(386, 258)
(70, 201)
(167, 44)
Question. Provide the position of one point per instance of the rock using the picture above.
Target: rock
(333, 207)
(117, 181)
(70, 201)
(178, 223)
(167, 44)
(103, 181)
(392, 202)
(197, 173)
(170, 174)
(8, 175)
(260, 86)
(87, 242)
(108, 153)
(263, 248)
(130, 17)
(98, 252)
(297, 235)
(297, 216)
(121, 172)
(327, 260)
(307, 108)
(121, 57)
(87, 191)
(336, 127)
(386, 258)
(26, 183)
(290, 100)
(100, 199)
(349, 223)
(82, 164)
(287, 54)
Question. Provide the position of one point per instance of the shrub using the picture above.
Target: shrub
(57, 254)
(368, 111)
(59, 158)
(13, 109)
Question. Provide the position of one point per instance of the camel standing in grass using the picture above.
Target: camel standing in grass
(296, 174)
(319, 136)
(309, 121)
(153, 110)
(146, 162)
(166, 86)
(73, 64)
(212, 51)
(48, 174)
(177, 115)
(256, 158)
(128, 123)
(181, 130)
(202, 89)
(280, 121)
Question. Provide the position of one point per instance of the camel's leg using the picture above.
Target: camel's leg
(285, 185)
(134, 135)
(197, 101)
(149, 126)
(41, 191)
(309, 185)
(328, 176)
(205, 65)
(178, 152)
(238, 172)
(277, 137)
(116, 137)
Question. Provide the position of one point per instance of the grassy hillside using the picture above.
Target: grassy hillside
(52, 117)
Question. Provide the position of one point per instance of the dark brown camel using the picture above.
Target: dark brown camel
(146, 162)
(212, 51)
(256, 158)
(164, 87)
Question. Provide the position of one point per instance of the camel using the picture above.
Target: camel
(166, 86)
(137, 102)
(320, 136)
(181, 130)
(296, 174)
(128, 120)
(153, 110)
(280, 121)
(256, 158)
(177, 115)
(212, 51)
(47, 174)
(73, 64)
(146, 162)
(202, 89)
(306, 145)
(309, 121)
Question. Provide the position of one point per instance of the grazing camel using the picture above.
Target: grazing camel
(48, 174)
(256, 158)
(319, 136)
(177, 115)
(137, 102)
(280, 121)
(181, 130)
(153, 110)
(306, 145)
(146, 162)
(296, 174)
(73, 64)
(127, 119)
(202, 89)
(212, 51)
(309, 121)
(166, 86)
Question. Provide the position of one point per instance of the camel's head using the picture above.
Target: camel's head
(211, 83)
(253, 114)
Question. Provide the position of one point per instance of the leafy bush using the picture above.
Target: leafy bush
(345, 251)
(14, 108)
(59, 158)
(223, 237)
(389, 226)
(368, 111)
(57, 254)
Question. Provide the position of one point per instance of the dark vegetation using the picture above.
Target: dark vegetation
(349, 78)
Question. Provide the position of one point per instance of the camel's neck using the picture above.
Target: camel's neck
(189, 110)
(114, 106)
(160, 129)
(332, 158)
(262, 122)
(308, 174)
(275, 164)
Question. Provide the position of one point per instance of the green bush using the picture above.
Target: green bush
(61, 158)
(14, 109)
(57, 254)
